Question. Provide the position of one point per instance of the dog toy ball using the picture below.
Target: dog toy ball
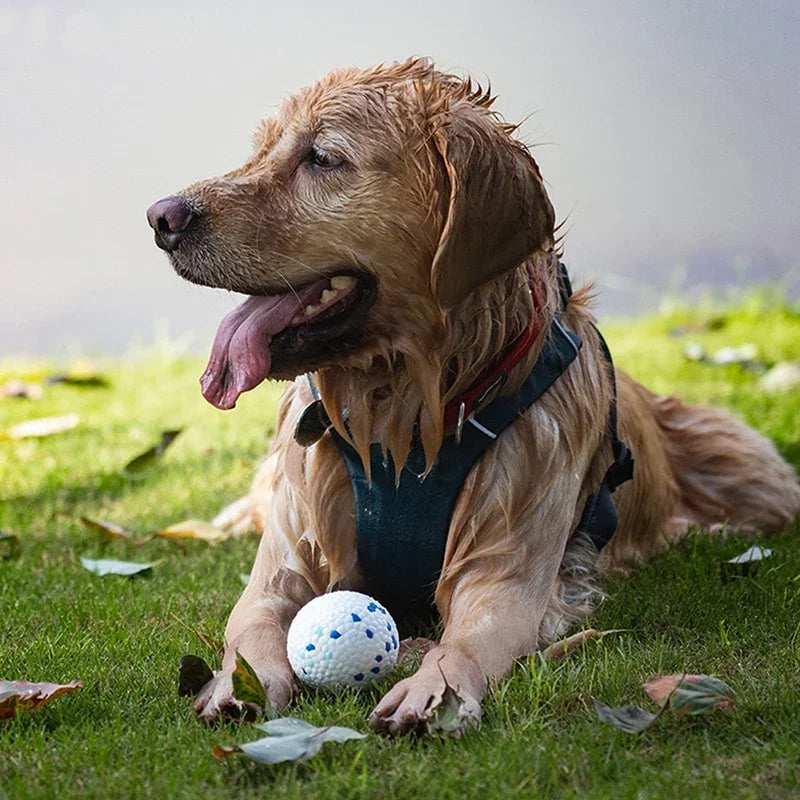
(342, 639)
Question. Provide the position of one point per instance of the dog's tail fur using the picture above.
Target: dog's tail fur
(726, 472)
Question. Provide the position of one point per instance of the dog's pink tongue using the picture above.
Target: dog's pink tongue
(240, 357)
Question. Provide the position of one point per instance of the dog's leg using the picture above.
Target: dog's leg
(257, 629)
(279, 585)
(493, 602)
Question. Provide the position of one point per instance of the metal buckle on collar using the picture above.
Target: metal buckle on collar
(460, 423)
(491, 391)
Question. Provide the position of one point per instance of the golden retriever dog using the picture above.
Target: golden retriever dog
(396, 240)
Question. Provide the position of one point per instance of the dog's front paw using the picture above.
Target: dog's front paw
(216, 703)
(436, 700)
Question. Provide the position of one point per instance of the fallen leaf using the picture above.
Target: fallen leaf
(564, 647)
(43, 426)
(289, 740)
(410, 650)
(689, 694)
(105, 566)
(15, 695)
(21, 390)
(9, 545)
(695, 352)
(247, 688)
(743, 354)
(108, 530)
(783, 377)
(81, 380)
(193, 674)
(147, 460)
(194, 529)
(450, 713)
(630, 718)
(754, 553)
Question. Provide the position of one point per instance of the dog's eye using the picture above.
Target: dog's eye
(322, 159)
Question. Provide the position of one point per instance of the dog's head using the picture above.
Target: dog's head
(374, 204)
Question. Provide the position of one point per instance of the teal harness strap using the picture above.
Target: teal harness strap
(402, 527)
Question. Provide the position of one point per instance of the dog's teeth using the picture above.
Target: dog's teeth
(327, 295)
(310, 310)
(342, 282)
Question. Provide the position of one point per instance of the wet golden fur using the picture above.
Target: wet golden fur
(449, 212)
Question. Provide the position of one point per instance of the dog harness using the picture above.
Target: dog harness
(402, 525)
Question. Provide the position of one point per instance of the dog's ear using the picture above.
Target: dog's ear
(498, 212)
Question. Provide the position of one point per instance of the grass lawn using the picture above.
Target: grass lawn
(128, 734)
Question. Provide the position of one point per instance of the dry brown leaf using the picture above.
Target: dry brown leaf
(22, 390)
(43, 426)
(15, 695)
(107, 530)
(562, 648)
(689, 694)
(194, 529)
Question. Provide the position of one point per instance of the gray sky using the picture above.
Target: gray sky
(668, 132)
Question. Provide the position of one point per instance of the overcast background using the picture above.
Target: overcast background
(668, 133)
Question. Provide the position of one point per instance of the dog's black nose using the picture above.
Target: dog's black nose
(170, 218)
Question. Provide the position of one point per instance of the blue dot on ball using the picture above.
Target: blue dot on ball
(335, 634)
(355, 617)
(369, 633)
(359, 677)
(375, 670)
(379, 658)
(372, 607)
(388, 647)
(310, 647)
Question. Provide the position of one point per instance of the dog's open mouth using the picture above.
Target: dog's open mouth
(295, 330)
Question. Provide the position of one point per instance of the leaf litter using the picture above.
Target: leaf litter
(193, 674)
(150, 457)
(679, 693)
(24, 695)
(42, 426)
(194, 529)
(289, 739)
(107, 566)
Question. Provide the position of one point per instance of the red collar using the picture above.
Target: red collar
(492, 380)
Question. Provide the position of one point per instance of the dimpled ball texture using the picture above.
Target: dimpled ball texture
(342, 639)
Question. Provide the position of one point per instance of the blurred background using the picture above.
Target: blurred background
(667, 132)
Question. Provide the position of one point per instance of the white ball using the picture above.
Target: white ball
(342, 639)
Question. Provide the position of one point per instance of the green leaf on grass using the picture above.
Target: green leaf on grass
(193, 675)
(81, 380)
(107, 530)
(247, 688)
(17, 695)
(289, 740)
(630, 718)
(104, 566)
(9, 545)
(690, 694)
(148, 459)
